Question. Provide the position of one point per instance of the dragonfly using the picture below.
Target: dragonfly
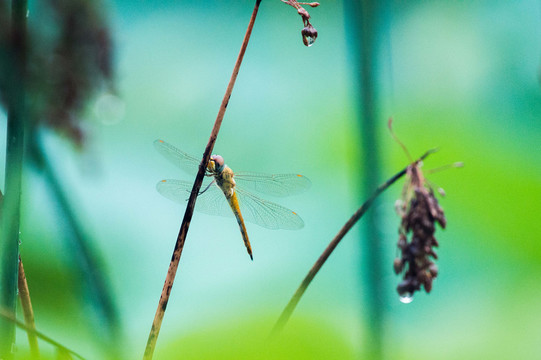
(228, 193)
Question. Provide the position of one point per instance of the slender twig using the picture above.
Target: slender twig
(181, 238)
(28, 312)
(14, 161)
(11, 318)
(288, 310)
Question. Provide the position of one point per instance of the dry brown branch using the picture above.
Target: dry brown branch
(177, 252)
(28, 312)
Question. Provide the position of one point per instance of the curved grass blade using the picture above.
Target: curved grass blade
(10, 317)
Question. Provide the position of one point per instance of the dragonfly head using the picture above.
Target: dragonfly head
(216, 164)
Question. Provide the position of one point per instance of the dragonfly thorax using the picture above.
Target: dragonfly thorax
(225, 181)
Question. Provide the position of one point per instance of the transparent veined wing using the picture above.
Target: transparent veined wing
(278, 185)
(211, 202)
(177, 157)
(266, 213)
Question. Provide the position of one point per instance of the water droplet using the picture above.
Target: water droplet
(309, 35)
(309, 40)
(406, 298)
(27, 13)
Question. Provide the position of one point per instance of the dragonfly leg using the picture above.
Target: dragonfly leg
(208, 186)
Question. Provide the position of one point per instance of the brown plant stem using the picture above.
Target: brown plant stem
(179, 245)
(6, 315)
(28, 312)
(288, 310)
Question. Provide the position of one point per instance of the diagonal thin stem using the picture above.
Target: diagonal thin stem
(11, 318)
(179, 245)
(288, 310)
(26, 304)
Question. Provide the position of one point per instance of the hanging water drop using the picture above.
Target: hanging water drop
(406, 298)
(309, 35)
(27, 13)
(309, 40)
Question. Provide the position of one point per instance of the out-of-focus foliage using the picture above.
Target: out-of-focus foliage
(461, 76)
(69, 59)
(249, 339)
(4, 50)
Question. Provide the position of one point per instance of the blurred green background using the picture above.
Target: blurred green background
(461, 76)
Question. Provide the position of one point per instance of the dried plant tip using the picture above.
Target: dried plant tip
(303, 13)
(398, 265)
(312, 4)
(419, 212)
(402, 242)
(406, 288)
(309, 35)
(395, 138)
(399, 207)
(433, 268)
(71, 63)
(428, 285)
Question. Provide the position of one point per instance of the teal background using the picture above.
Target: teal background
(460, 76)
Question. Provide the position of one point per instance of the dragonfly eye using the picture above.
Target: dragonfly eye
(218, 162)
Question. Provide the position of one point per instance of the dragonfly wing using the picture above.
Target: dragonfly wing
(177, 157)
(211, 202)
(279, 185)
(267, 214)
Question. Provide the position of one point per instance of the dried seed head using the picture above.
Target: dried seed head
(398, 265)
(303, 13)
(309, 33)
(69, 62)
(419, 212)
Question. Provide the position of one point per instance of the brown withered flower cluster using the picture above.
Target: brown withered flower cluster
(420, 212)
(4, 51)
(309, 33)
(68, 69)
(68, 61)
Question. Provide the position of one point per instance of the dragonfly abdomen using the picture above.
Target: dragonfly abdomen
(234, 203)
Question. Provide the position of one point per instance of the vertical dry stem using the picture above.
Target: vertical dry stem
(288, 310)
(173, 266)
(28, 312)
